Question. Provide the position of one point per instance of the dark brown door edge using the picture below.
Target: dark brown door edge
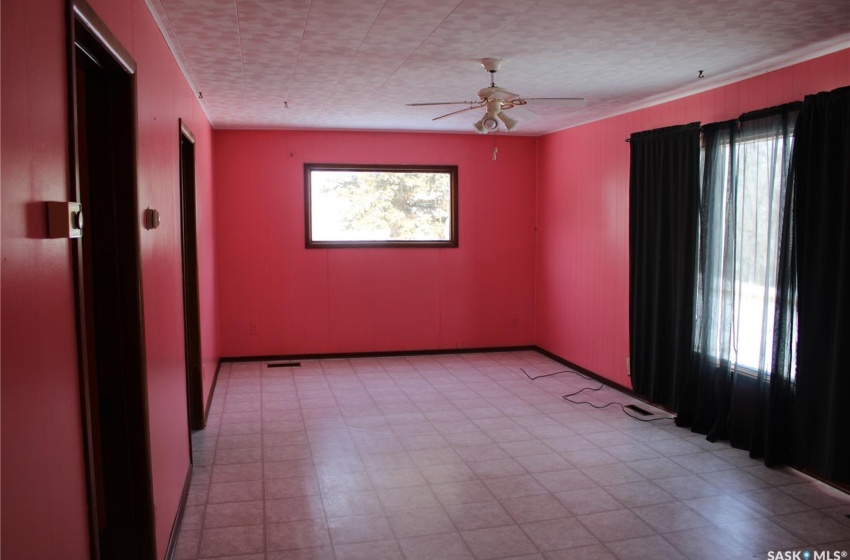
(102, 134)
(191, 292)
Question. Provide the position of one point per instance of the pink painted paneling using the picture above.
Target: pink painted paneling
(43, 480)
(163, 98)
(207, 277)
(43, 485)
(582, 306)
(366, 300)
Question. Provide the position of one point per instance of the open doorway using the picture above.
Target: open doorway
(107, 265)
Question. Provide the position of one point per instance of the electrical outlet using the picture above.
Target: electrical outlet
(629, 366)
(254, 329)
(514, 322)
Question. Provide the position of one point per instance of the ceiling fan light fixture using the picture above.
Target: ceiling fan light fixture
(495, 99)
(494, 110)
(490, 123)
(510, 123)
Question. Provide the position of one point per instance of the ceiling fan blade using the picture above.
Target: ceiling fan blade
(503, 95)
(443, 103)
(522, 113)
(456, 112)
(560, 101)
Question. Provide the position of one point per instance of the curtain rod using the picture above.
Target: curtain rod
(628, 140)
(759, 113)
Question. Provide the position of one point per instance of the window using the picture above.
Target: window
(757, 206)
(742, 207)
(380, 206)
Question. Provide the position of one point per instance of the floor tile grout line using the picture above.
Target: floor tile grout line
(499, 406)
(209, 481)
(263, 463)
(498, 501)
(385, 513)
(442, 506)
(211, 469)
(316, 473)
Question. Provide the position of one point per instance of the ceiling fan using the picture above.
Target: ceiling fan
(496, 100)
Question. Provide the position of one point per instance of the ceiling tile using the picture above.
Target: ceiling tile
(358, 63)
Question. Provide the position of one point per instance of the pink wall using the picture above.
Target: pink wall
(582, 275)
(164, 97)
(43, 481)
(43, 487)
(207, 271)
(365, 300)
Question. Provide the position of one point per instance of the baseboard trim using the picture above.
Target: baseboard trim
(341, 355)
(178, 519)
(585, 371)
(212, 392)
(601, 379)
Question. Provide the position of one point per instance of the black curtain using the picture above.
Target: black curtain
(739, 386)
(821, 179)
(704, 404)
(775, 405)
(663, 214)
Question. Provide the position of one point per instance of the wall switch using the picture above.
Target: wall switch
(254, 329)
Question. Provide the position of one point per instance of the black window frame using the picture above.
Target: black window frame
(451, 170)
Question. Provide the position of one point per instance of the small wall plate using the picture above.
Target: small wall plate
(64, 220)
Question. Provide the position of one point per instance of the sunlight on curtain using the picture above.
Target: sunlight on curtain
(745, 177)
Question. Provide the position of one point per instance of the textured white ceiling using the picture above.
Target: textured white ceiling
(354, 64)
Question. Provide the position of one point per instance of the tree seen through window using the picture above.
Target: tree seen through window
(374, 206)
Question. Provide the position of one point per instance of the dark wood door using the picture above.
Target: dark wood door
(109, 292)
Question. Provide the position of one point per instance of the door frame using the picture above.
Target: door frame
(121, 501)
(191, 289)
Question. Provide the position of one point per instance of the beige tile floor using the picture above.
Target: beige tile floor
(462, 456)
